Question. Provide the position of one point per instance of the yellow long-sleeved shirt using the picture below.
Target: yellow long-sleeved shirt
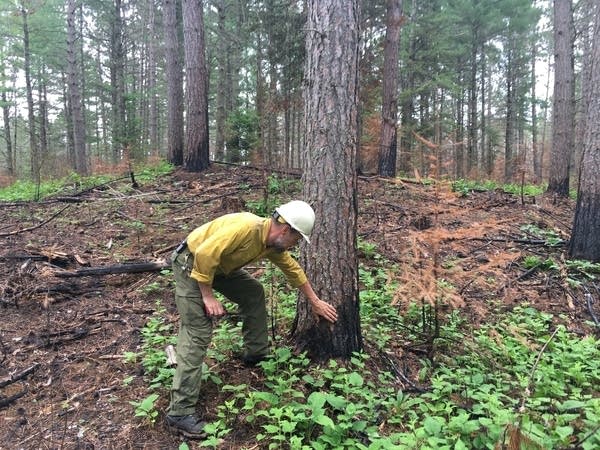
(232, 241)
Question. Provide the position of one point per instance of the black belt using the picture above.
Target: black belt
(181, 247)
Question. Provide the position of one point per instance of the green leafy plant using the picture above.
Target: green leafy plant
(367, 249)
(145, 408)
(534, 261)
(551, 237)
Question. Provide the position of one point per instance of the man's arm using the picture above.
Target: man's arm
(319, 307)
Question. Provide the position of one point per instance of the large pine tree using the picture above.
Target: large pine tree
(330, 179)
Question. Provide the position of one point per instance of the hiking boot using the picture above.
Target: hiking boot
(190, 426)
(251, 360)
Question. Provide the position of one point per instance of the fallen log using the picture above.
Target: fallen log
(115, 269)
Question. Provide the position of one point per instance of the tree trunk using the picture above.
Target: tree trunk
(10, 168)
(407, 106)
(563, 105)
(69, 145)
(509, 137)
(43, 113)
(389, 109)
(196, 155)
(221, 59)
(472, 106)
(74, 92)
(330, 177)
(537, 169)
(119, 127)
(174, 84)
(585, 38)
(585, 237)
(460, 137)
(153, 119)
(35, 163)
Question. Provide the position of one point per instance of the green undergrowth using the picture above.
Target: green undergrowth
(465, 187)
(27, 190)
(522, 375)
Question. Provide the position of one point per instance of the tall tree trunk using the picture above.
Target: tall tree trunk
(482, 119)
(330, 176)
(43, 113)
(117, 78)
(35, 161)
(563, 130)
(153, 119)
(489, 162)
(9, 159)
(174, 84)
(585, 38)
(585, 237)
(472, 106)
(69, 145)
(221, 59)
(74, 92)
(509, 137)
(460, 137)
(196, 155)
(260, 153)
(389, 109)
(407, 106)
(535, 157)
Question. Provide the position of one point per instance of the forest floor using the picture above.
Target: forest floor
(62, 340)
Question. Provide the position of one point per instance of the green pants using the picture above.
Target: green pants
(195, 329)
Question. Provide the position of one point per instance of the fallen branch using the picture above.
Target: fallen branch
(12, 233)
(8, 400)
(519, 278)
(116, 269)
(516, 240)
(18, 376)
(62, 337)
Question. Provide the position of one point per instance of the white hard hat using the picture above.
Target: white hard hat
(299, 215)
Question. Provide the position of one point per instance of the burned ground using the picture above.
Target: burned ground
(62, 339)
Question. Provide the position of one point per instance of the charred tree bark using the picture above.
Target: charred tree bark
(585, 238)
(330, 178)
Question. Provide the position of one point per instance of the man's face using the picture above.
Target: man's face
(287, 239)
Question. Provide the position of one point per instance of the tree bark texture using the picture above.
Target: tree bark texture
(74, 91)
(196, 155)
(330, 178)
(585, 237)
(563, 109)
(388, 147)
(174, 72)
